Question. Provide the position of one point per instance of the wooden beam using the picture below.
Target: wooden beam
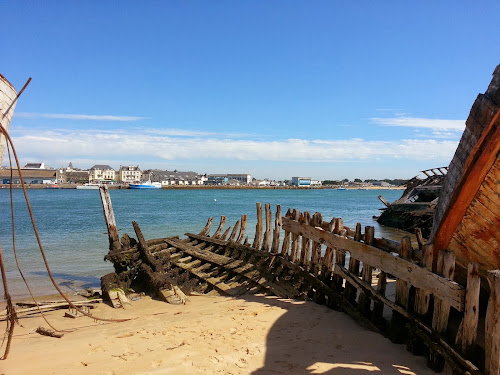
(445, 289)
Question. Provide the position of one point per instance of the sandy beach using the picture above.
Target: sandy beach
(208, 335)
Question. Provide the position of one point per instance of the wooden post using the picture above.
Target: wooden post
(328, 259)
(109, 217)
(398, 332)
(258, 228)
(277, 228)
(242, 228)
(364, 301)
(422, 296)
(467, 332)
(218, 232)
(492, 345)
(420, 238)
(350, 290)
(206, 230)
(294, 253)
(235, 230)
(286, 240)
(305, 253)
(446, 268)
(316, 246)
(339, 254)
(267, 234)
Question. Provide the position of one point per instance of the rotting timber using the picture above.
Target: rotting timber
(416, 207)
(435, 311)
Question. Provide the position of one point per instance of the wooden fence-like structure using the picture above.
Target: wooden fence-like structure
(431, 313)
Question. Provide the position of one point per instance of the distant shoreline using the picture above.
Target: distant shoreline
(213, 187)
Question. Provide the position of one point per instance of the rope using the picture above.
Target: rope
(10, 308)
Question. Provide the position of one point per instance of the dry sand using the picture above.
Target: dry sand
(209, 335)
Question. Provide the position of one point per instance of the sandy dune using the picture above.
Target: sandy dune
(209, 335)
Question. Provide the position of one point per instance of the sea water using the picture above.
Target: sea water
(73, 233)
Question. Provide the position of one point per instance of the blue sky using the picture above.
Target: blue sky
(326, 89)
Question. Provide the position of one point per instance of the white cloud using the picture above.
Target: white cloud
(126, 145)
(64, 116)
(414, 122)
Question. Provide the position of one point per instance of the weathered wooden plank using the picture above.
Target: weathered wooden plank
(422, 296)
(364, 301)
(242, 229)
(446, 268)
(285, 248)
(317, 219)
(267, 234)
(492, 345)
(452, 356)
(277, 230)
(206, 229)
(445, 289)
(109, 217)
(350, 290)
(235, 230)
(294, 252)
(467, 332)
(225, 234)
(258, 228)
(221, 226)
(305, 251)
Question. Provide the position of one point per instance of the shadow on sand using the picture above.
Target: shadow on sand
(312, 339)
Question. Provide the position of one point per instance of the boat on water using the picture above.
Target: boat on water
(53, 186)
(88, 186)
(145, 185)
(341, 188)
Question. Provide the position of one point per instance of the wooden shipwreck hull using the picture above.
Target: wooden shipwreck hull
(467, 218)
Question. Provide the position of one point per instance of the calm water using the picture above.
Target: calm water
(73, 233)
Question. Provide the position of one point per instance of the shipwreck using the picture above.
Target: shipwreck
(447, 288)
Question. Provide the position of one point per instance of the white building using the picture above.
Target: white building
(101, 173)
(129, 174)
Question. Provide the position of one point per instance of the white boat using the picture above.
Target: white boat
(145, 185)
(88, 186)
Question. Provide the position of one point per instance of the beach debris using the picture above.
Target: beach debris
(47, 306)
(48, 332)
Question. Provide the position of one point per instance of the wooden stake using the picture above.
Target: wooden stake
(305, 252)
(446, 268)
(286, 240)
(267, 234)
(364, 301)
(109, 217)
(277, 228)
(492, 345)
(467, 332)
(243, 228)
(422, 296)
(218, 232)
(350, 290)
(258, 228)
(294, 253)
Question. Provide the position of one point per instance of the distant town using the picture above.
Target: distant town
(39, 173)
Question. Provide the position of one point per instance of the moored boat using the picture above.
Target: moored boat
(146, 185)
(88, 186)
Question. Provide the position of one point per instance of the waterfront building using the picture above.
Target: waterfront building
(102, 173)
(244, 179)
(35, 166)
(301, 181)
(30, 176)
(174, 177)
(223, 179)
(129, 174)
